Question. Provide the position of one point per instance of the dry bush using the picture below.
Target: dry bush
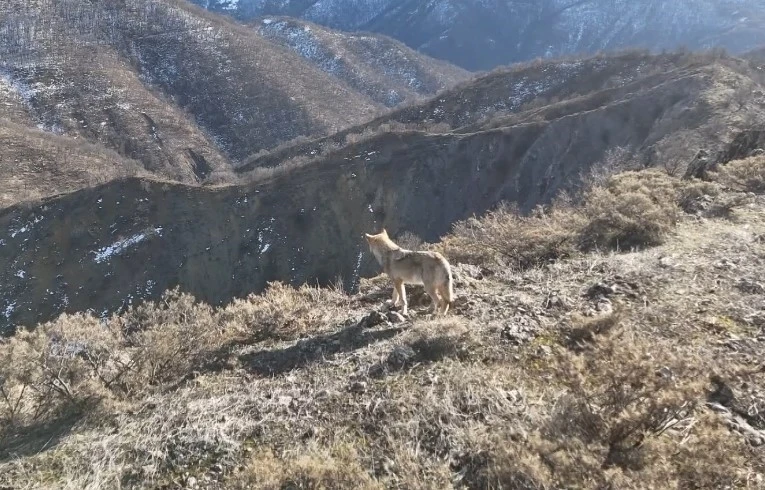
(747, 175)
(631, 417)
(632, 209)
(318, 469)
(410, 241)
(58, 366)
(504, 236)
(79, 358)
(283, 312)
(615, 160)
(629, 209)
(165, 340)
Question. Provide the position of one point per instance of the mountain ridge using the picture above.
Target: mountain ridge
(480, 35)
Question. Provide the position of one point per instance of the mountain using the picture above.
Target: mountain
(380, 67)
(303, 221)
(166, 88)
(481, 34)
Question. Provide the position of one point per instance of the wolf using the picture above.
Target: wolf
(430, 269)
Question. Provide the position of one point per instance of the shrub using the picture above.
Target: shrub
(504, 236)
(747, 175)
(283, 312)
(632, 209)
(629, 209)
(58, 366)
(166, 339)
(410, 241)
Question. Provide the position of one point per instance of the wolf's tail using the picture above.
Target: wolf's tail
(449, 289)
(449, 286)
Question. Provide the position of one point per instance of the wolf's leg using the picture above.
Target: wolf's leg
(433, 293)
(444, 291)
(395, 294)
(399, 285)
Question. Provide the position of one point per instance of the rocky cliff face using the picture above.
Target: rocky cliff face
(480, 34)
(128, 240)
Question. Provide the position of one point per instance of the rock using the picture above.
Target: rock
(217, 468)
(757, 152)
(556, 301)
(666, 262)
(358, 387)
(191, 482)
(700, 165)
(400, 356)
(749, 286)
(665, 372)
(604, 306)
(396, 317)
(373, 319)
(601, 289)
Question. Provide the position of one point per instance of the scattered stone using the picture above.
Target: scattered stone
(604, 306)
(217, 468)
(724, 264)
(191, 482)
(665, 372)
(556, 301)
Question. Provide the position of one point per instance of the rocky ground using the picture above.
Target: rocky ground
(610, 369)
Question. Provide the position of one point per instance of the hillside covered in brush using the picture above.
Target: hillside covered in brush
(481, 34)
(165, 88)
(521, 135)
(613, 339)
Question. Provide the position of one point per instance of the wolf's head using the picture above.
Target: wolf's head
(380, 243)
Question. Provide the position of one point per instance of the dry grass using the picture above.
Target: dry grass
(636, 369)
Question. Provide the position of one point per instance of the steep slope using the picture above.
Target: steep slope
(386, 70)
(480, 34)
(185, 92)
(243, 90)
(305, 223)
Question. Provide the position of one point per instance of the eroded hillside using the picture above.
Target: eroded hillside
(80, 251)
(182, 92)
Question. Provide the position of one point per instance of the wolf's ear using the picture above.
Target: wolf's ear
(384, 232)
(368, 235)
